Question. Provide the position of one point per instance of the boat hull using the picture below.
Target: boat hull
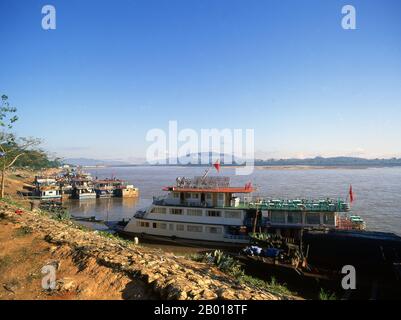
(86, 196)
(183, 242)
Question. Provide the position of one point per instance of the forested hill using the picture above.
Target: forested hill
(333, 161)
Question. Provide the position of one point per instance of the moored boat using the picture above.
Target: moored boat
(203, 209)
(83, 192)
(208, 209)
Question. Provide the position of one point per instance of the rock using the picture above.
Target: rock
(53, 249)
(66, 284)
(11, 287)
(208, 295)
(226, 294)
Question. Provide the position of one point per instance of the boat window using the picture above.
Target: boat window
(277, 217)
(162, 225)
(195, 195)
(191, 228)
(142, 224)
(213, 213)
(194, 212)
(176, 195)
(328, 218)
(187, 195)
(176, 211)
(213, 229)
(232, 214)
(313, 218)
(221, 196)
(171, 226)
(159, 210)
(294, 217)
(180, 227)
(208, 196)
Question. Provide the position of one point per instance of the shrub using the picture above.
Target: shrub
(23, 231)
(325, 295)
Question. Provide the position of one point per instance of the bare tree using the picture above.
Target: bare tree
(11, 147)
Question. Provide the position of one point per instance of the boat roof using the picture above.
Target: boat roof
(108, 181)
(211, 184)
(211, 190)
(48, 188)
(327, 205)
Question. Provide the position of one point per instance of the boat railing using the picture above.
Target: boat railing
(160, 200)
(140, 213)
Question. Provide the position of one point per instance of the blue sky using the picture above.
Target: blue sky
(112, 70)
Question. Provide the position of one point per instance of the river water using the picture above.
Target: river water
(377, 191)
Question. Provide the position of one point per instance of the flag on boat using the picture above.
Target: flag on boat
(248, 186)
(351, 194)
(217, 165)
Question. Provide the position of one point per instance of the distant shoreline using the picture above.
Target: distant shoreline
(257, 167)
(317, 162)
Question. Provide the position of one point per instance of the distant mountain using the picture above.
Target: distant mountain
(317, 161)
(196, 159)
(85, 162)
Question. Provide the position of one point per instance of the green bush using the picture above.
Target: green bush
(323, 295)
(23, 231)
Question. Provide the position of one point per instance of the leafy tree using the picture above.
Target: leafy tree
(36, 159)
(11, 147)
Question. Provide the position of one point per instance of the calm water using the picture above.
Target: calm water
(376, 190)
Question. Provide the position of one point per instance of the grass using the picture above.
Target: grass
(326, 295)
(81, 227)
(23, 231)
(12, 202)
(58, 215)
(272, 286)
(5, 262)
(109, 235)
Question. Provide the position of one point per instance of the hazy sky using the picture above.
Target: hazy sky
(112, 70)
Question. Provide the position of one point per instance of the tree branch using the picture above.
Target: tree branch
(15, 159)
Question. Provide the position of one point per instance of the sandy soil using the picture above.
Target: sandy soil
(23, 254)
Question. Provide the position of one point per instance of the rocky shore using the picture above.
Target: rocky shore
(96, 266)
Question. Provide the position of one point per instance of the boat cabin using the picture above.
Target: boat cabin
(205, 192)
(48, 192)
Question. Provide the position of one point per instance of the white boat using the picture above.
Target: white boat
(207, 209)
(48, 192)
(203, 209)
(84, 193)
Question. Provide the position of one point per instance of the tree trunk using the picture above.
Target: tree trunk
(3, 174)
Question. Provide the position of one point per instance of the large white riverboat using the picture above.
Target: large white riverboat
(208, 209)
(203, 208)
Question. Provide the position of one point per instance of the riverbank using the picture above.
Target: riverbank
(93, 265)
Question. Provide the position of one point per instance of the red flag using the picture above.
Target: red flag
(351, 194)
(248, 186)
(217, 165)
